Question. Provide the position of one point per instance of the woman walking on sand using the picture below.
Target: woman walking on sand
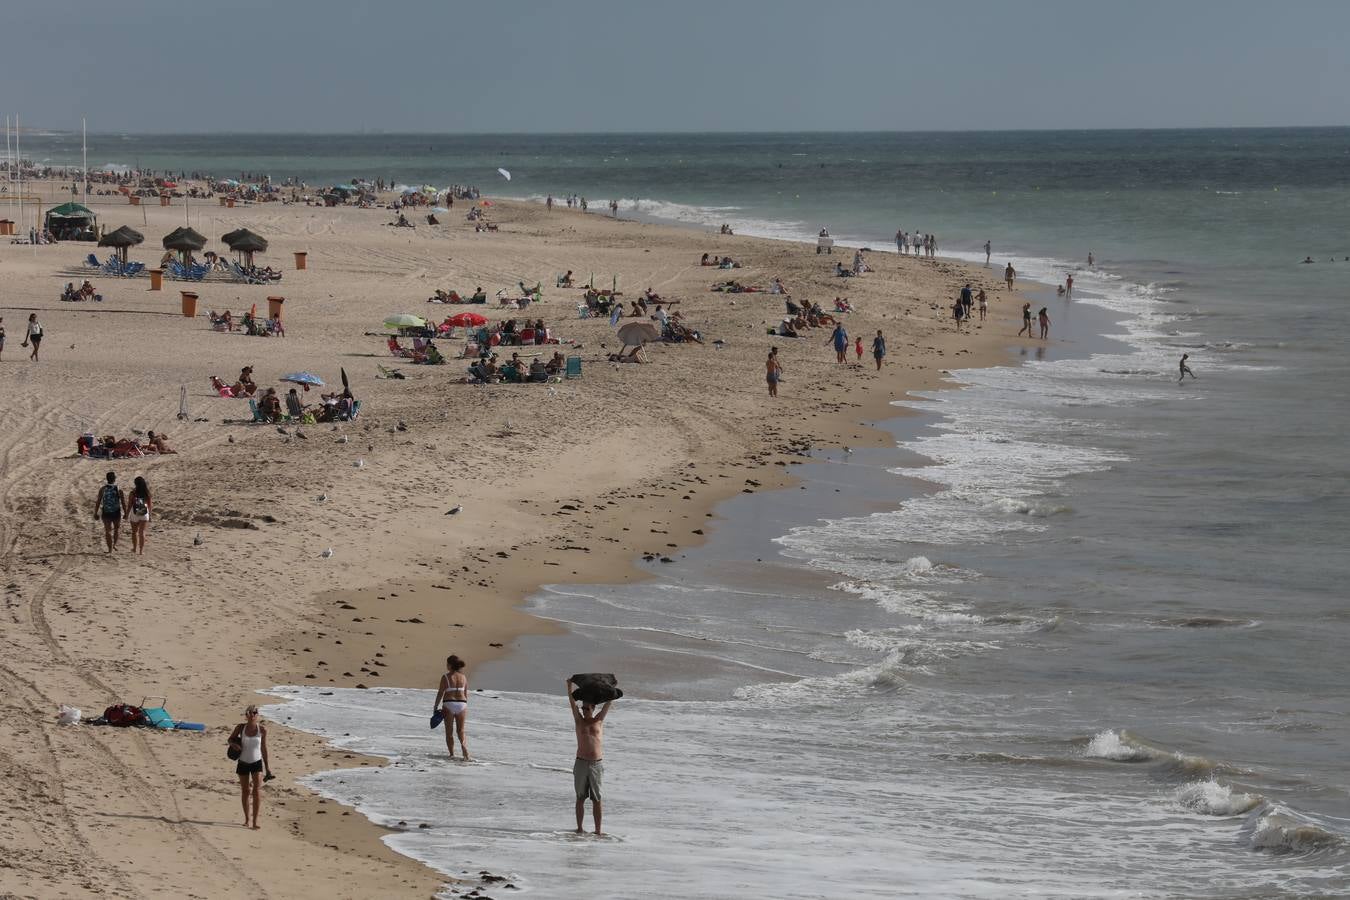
(452, 700)
(1044, 318)
(251, 740)
(1026, 320)
(138, 513)
(878, 348)
(839, 337)
(34, 336)
(774, 373)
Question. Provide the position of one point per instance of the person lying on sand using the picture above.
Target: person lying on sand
(158, 443)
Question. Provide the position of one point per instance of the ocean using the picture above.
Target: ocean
(1078, 633)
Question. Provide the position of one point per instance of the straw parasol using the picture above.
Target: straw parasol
(121, 239)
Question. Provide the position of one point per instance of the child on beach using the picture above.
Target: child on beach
(858, 350)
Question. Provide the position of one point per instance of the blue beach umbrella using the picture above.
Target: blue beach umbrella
(309, 379)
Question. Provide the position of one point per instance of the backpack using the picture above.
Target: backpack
(123, 715)
(112, 500)
(138, 506)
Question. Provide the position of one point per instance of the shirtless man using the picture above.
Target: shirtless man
(589, 770)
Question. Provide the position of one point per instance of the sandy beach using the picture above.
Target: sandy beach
(564, 482)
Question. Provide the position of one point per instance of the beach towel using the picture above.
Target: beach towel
(595, 688)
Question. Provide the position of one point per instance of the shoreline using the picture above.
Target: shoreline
(628, 473)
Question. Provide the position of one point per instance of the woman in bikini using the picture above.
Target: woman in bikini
(452, 697)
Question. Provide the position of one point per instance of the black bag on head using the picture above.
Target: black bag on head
(595, 688)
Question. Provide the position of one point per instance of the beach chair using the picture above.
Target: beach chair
(527, 336)
(583, 311)
(157, 716)
(92, 262)
(356, 408)
(258, 417)
(573, 367)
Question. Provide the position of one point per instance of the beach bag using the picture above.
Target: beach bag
(124, 715)
(595, 688)
(234, 749)
(138, 506)
(111, 503)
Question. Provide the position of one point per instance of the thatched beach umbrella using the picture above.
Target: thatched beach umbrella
(245, 242)
(121, 239)
(184, 241)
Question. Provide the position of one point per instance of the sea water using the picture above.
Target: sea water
(1080, 633)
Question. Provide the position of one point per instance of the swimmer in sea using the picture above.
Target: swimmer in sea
(1185, 369)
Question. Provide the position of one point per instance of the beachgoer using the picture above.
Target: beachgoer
(588, 771)
(984, 303)
(774, 372)
(1043, 318)
(878, 348)
(34, 336)
(138, 514)
(1010, 275)
(1068, 286)
(988, 250)
(857, 349)
(899, 241)
(1026, 320)
(452, 698)
(1091, 261)
(2, 336)
(1185, 369)
(839, 337)
(251, 738)
(108, 507)
(967, 300)
(958, 313)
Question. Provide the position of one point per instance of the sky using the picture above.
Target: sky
(346, 66)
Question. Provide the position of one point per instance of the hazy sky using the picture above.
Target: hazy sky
(678, 65)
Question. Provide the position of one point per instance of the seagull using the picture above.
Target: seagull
(281, 429)
(301, 435)
(321, 497)
(342, 439)
(402, 425)
(454, 510)
(230, 438)
(359, 464)
(719, 343)
(327, 553)
(197, 541)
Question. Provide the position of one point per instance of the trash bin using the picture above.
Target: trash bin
(222, 201)
(300, 259)
(164, 199)
(6, 226)
(274, 307)
(156, 279)
(135, 201)
(189, 303)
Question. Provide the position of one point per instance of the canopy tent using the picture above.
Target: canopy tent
(245, 242)
(71, 222)
(121, 239)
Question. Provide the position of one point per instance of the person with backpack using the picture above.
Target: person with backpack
(138, 514)
(109, 507)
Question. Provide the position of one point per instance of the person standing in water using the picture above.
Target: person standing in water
(1068, 286)
(1026, 320)
(1185, 369)
(251, 739)
(1091, 261)
(452, 699)
(1044, 318)
(988, 251)
(773, 371)
(588, 772)
(878, 348)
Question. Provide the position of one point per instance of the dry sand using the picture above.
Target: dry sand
(568, 484)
